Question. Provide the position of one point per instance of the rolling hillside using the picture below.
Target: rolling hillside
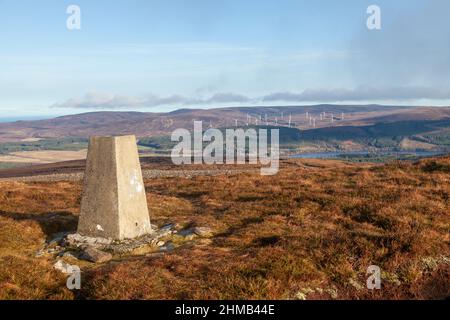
(153, 124)
(362, 128)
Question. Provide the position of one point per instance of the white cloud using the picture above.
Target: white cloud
(100, 100)
(361, 94)
(106, 101)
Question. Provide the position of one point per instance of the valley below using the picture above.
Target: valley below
(379, 131)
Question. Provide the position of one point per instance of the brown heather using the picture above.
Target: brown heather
(313, 228)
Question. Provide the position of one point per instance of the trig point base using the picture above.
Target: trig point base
(114, 204)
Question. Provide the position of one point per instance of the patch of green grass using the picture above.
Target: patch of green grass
(65, 144)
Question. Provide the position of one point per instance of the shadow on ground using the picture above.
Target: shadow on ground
(50, 222)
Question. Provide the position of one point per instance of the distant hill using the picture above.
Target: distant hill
(414, 114)
(423, 134)
(378, 130)
(426, 134)
(148, 124)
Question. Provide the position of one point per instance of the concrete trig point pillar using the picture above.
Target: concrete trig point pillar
(114, 204)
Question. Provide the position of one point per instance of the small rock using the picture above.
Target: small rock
(63, 267)
(160, 243)
(94, 255)
(167, 247)
(57, 238)
(186, 232)
(53, 244)
(163, 232)
(203, 231)
(76, 239)
(169, 226)
(69, 255)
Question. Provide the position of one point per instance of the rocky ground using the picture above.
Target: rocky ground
(73, 246)
(146, 174)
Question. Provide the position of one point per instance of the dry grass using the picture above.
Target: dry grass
(312, 229)
(46, 156)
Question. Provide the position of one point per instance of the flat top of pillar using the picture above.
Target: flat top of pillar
(129, 136)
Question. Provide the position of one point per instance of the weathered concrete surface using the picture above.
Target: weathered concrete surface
(114, 204)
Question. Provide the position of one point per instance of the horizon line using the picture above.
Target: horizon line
(36, 117)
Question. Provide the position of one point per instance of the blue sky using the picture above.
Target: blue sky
(162, 55)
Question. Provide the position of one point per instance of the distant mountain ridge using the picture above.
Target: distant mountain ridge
(144, 124)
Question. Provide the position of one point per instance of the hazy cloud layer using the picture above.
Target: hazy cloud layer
(98, 100)
(104, 101)
(361, 94)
